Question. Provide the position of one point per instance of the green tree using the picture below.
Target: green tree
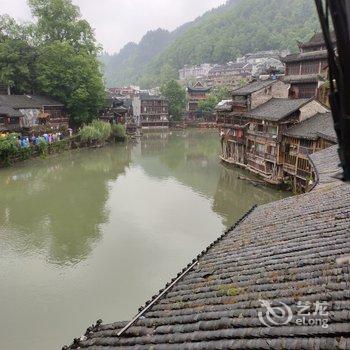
(167, 73)
(208, 104)
(222, 93)
(16, 56)
(176, 95)
(67, 66)
(74, 79)
(60, 20)
(217, 95)
(55, 56)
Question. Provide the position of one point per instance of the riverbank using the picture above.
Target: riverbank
(57, 147)
(15, 148)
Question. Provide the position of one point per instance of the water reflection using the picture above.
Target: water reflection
(57, 206)
(191, 156)
(92, 234)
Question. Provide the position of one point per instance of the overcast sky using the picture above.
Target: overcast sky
(117, 22)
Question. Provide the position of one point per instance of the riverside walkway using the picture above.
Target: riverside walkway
(291, 254)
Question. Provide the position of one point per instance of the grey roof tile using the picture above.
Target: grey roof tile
(8, 111)
(252, 87)
(320, 125)
(306, 56)
(198, 89)
(306, 78)
(27, 101)
(276, 109)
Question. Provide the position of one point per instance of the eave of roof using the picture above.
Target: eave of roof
(198, 89)
(277, 109)
(306, 56)
(318, 126)
(317, 40)
(28, 101)
(306, 78)
(252, 87)
(10, 112)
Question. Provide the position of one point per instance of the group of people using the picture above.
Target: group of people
(26, 141)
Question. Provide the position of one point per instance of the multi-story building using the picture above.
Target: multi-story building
(151, 111)
(229, 74)
(29, 111)
(125, 91)
(188, 72)
(305, 71)
(313, 134)
(253, 124)
(195, 93)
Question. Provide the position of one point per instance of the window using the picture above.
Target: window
(250, 145)
(290, 159)
(260, 147)
(312, 67)
(305, 143)
(13, 120)
(307, 90)
(303, 164)
(260, 128)
(272, 130)
(271, 150)
(293, 68)
(2, 120)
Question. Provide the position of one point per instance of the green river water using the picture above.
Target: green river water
(94, 233)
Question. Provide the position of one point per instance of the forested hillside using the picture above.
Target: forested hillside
(239, 27)
(130, 63)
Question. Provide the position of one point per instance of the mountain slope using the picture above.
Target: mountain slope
(129, 64)
(221, 35)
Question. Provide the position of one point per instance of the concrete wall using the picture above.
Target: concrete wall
(310, 109)
(276, 90)
(280, 90)
(136, 107)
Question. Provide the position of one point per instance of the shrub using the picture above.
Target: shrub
(8, 148)
(89, 134)
(97, 131)
(104, 128)
(59, 146)
(118, 131)
(42, 147)
(25, 153)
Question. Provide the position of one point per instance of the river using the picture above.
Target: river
(94, 233)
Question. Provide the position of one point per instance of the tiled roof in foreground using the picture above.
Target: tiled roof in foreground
(293, 250)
